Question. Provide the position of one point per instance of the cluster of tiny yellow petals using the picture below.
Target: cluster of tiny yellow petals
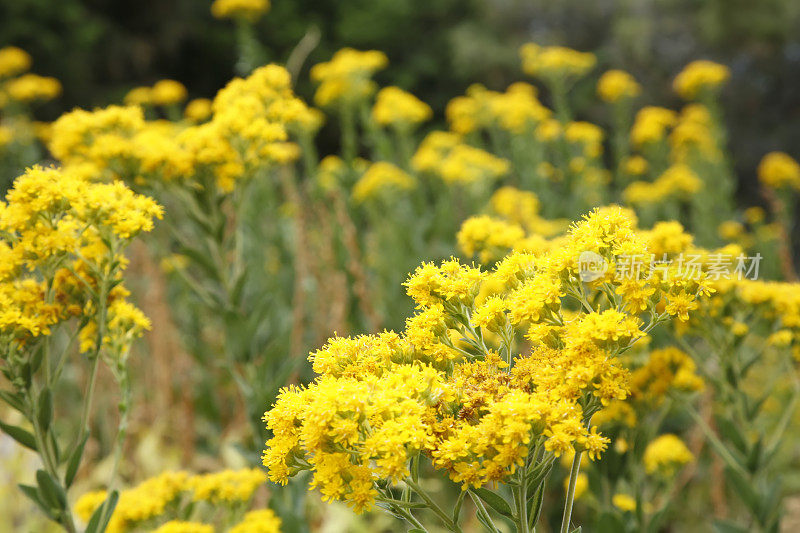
(347, 76)
(396, 107)
(616, 85)
(451, 388)
(550, 62)
(455, 162)
(13, 61)
(699, 76)
(779, 170)
(379, 178)
(259, 521)
(666, 454)
(679, 181)
(245, 9)
(156, 500)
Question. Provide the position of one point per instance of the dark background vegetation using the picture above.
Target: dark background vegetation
(102, 48)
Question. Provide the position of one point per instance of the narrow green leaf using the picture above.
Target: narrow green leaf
(495, 501)
(457, 508)
(33, 494)
(45, 414)
(50, 491)
(743, 488)
(101, 516)
(535, 506)
(730, 432)
(13, 400)
(20, 435)
(37, 358)
(724, 526)
(74, 461)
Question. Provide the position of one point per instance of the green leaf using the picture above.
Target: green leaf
(743, 488)
(495, 501)
(20, 435)
(74, 461)
(101, 516)
(50, 491)
(457, 508)
(13, 400)
(577, 529)
(45, 414)
(37, 357)
(724, 526)
(730, 432)
(33, 495)
(416, 530)
(535, 506)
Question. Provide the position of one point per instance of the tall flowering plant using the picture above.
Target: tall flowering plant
(495, 376)
(63, 239)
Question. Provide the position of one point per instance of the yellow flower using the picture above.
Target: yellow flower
(249, 10)
(13, 61)
(167, 92)
(139, 96)
(346, 77)
(778, 170)
(665, 455)
(551, 62)
(259, 521)
(381, 177)
(700, 76)
(395, 107)
(198, 110)
(227, 486)
(180, 526)
(651, 125)
(30, 87)
(617, 85)
(624, 503)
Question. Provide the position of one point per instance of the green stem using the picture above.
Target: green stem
(444, 517)
(573, 478)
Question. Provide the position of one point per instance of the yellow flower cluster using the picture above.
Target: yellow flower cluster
(227, 486)
(694, 132)
(444, 155)
(517, 110)
(666, 369)
(60, 234)
(400, 109)
(158, 498)
(181, 526)
(31, 87)
(779, 170)
(249, 10)
(198, 110)
(677, 181)
(665, 455)
(13, 61)
(452, 387)
(617, 85)
(555, 62)
(249, 129)
(259, 521)
(163, 92)
(347, 76)
(380, 178)
(698, 77)
(516, 226)
(651, 124)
